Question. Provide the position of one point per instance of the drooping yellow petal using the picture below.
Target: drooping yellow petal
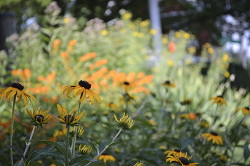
(83, 97)
(96, 96)
(92, 100)
(24, 100)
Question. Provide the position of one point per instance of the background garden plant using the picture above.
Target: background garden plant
(167, 101)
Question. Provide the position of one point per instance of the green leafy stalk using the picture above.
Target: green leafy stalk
(12, 126)
(75, 133)
(106, 146)
(28, 144)
(32, 145)
(67, 146)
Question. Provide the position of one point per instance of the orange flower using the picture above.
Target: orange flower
(140, 75)
(52, 139)
(72, 43)
(64, 55)
(45, 99)
(92, 66)
(101, 62)
(54, 99)
(192, 116)
(41, 78)
(87, 56)
(17, 72)
(56, 43)
(145, 80)
(171, 46)
(26, 73)
(141, 89)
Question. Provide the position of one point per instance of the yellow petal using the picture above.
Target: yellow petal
(24, 99)
(92, 100)
(83, 97)
(96, 96)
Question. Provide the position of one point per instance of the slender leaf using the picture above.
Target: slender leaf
(18, 150)
(36, 154)
(4, 158)
(75, 161)
(58, 146)
(246, 151)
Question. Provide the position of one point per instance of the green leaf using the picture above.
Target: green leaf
(35, 163)
(58, 146)
(75, 161)
(36, 154)
(4, 158)
(18, 150)
(95, 145)
(246, 151)
(186, 142)
(17, 163)
(55, 154)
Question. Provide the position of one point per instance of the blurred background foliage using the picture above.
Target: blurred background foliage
(63, 50)
(203, 18)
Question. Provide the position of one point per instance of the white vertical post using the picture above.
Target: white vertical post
(155, 24)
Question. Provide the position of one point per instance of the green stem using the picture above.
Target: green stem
(32, 145)
(12, 126)
(67, 146)
(75, 132)
(27, 146)
(105, 147)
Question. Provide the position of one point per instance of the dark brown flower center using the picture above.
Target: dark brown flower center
(184, 160)
(247, 108)
(85, 84)
(177, 150)
(18, 86)
(69, 118)
(220, 96)
(39, 118)
(214, 133)
(126, 83)
(167, 82)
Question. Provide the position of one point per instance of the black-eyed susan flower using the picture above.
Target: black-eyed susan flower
(84, 88)
(138, 164)
(84, 149)
(127, 98)
(169, 84)
(125, 122)
(69, 119)
(173, 152)
(38, 117)
(16, 89)
(183, 160)
(126, 85)
(219, 100)
(204, 124)
(245, 110)
(186, 101)
(214, 137)
(105, 157)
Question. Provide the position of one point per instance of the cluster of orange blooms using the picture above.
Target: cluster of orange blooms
(87, 56)
(56, 46)
(49, 79)
(23, 74)
(71, 45)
